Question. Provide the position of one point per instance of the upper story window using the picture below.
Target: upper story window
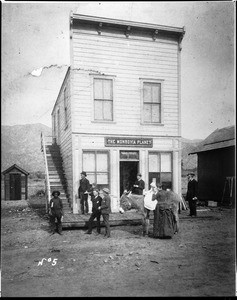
(103, 99)
(65, 99)
(151, 101)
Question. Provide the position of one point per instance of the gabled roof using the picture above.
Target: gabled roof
(15, 167)
(220, 138)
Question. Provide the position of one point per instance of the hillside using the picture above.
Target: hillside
(20, 144)
(189, 162)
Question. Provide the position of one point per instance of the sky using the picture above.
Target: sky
(35, 57)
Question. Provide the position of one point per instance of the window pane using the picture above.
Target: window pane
(108, 110)
(102, 178)
(98, 89)
(91, 177)
(147, 113)
(155, 113)
(154, 163)
(156, 93)
(147, 92)
(166, 180)
(154, 177)
(165, 162)
(89, 162)
(98, 110)
(102, 162)
(107, 84)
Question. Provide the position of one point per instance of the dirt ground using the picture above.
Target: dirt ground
(198, 261)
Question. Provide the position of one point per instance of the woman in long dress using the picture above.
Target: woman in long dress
(164, 225)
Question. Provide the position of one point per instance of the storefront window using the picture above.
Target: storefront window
(160, 168)
(96, 165)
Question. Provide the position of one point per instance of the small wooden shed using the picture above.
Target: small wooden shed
(216, 166)
(15, 183)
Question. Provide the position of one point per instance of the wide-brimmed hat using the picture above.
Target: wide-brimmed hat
(153, 184)
(84, 173)
(53, 193)
(106, 190)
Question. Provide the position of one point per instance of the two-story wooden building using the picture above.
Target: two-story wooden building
(118, 109)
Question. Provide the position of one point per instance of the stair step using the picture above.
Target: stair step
(58, 180)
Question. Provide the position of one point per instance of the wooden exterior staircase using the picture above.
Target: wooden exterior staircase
(55, 177)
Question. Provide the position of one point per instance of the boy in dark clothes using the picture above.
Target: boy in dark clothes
(56, 212)
(105, 209)
(96, 202)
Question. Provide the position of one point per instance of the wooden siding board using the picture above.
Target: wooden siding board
(65, 133)
(130, 60)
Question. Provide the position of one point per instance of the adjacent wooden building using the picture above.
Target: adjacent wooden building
(216, 166)
(15, 183)
(118, 109)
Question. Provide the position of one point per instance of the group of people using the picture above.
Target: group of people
(102, 205)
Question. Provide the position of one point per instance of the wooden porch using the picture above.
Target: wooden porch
(71, 220)
(130, 218)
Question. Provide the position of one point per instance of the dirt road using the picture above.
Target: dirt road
(199, 261)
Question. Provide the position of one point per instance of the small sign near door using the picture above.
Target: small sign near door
(128, 142)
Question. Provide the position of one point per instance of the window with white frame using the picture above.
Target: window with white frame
(65, 99)
(160, 168)
(151, 101)
(103, 99)
(96, 165)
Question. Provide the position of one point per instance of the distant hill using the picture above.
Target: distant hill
(189, 162)
(20, 144)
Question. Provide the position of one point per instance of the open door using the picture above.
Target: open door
(128, 175)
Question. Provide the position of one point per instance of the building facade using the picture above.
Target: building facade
(118, 109)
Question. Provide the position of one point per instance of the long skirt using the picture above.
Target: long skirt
(164, 225)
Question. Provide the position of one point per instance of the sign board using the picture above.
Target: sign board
(128, 142)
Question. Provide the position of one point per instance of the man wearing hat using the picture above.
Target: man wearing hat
(83, 192)
(56, 212)
(96, 213)
(139, 185)
(105, 209)
(191, 196)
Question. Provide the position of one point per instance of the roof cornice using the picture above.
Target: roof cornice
(93, 19)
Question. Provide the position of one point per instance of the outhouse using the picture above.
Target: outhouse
(15, 183)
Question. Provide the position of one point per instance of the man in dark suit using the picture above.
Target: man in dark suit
(83, 192)
(192, 192)
(105, 209)
(96, 213)
(139, 185)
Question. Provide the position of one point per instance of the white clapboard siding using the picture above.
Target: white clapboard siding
(65, 137)
(128, 60)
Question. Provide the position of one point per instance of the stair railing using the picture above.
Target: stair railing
(43, 149)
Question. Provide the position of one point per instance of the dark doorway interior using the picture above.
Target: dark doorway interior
(128, 174)
(15, 186)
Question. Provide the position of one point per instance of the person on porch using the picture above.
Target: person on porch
(83, 192)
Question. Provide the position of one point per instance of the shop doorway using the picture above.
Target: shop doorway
(128, 174)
